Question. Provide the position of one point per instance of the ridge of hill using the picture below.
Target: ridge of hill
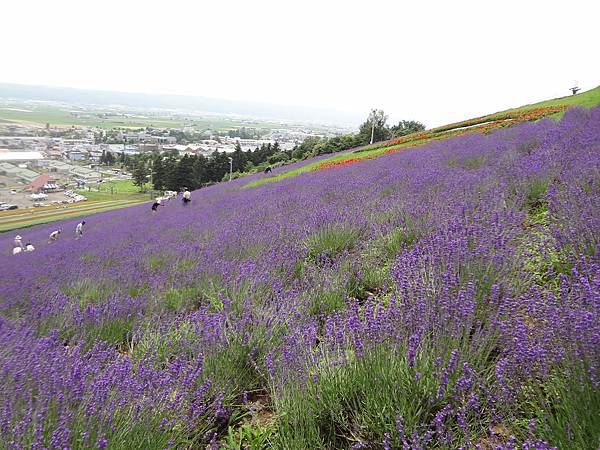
(535, 111)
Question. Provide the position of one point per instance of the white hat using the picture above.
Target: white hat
(18, 237)
(158, 201)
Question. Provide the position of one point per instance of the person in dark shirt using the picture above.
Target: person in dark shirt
(155, 205)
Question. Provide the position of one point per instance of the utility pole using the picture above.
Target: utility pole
(230, 167)
(373, 112)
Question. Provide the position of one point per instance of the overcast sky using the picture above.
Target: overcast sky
(433, 61)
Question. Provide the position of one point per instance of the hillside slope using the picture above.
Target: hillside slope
(549, 108)
(439, 297)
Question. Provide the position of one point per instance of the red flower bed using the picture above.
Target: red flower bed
(472, 126)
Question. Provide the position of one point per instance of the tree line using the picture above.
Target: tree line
(168, 171)
(374, 127)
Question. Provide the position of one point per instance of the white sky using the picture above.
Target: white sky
(433, 61)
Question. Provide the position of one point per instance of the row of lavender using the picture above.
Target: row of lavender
(447, 296)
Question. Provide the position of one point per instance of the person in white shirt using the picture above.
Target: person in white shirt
(79, 229)
(29, 247)
(18, 242)
(53, 236)
(187, 197)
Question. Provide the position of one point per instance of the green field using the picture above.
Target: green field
(118, 190)
(55, 115)
(26, 218)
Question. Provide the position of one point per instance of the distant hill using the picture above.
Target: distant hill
(180, 102)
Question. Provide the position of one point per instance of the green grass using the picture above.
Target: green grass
(68, 213)
(565, 409)
(587, 99)
(331, 240)
(118, 190)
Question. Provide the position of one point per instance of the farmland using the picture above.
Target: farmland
(444, 296)
(62, 115)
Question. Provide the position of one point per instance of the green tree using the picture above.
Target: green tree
(158, 172)
(110, 159)
(199, 169)
(239, 158)
(184, 173)
(170, 175)
(140, 175)
(375, 125)
(405, 127)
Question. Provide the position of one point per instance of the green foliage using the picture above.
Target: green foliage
(472, 163)
(359, 401)
(116, 331)
(565, 409)
(163, 344)
(375, 125)
(327, 298)
(158, 260)
(140, 175)
(87, 291)
(331, 240)
(278, 157)
(181, 298)
(405, 127)
(398, 238)
(249, 437)
(535, 195)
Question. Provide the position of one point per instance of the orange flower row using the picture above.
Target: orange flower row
(471, 126)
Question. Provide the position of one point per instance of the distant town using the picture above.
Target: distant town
(38, 160)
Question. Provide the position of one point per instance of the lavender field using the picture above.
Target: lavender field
(446, 296)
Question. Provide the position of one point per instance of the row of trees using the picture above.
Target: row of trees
(374, 127)
(168, 171)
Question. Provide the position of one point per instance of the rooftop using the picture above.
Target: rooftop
(20, 156)
(38, 182)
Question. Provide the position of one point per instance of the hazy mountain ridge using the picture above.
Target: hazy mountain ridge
(180, 102)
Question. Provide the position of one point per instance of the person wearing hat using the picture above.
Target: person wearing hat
(18, 242)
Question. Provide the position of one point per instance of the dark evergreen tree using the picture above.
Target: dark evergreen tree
(239, 158)
(140, 175)
(184, 172)
(170, 179)
(199, 170)
(158, 173)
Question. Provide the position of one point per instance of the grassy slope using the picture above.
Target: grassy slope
(124, 194)
(29, 217)
(587, 99)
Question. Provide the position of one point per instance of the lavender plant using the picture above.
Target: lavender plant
(446, 296)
